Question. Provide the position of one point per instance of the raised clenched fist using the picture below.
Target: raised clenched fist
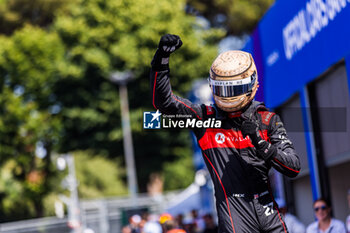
(168, 44)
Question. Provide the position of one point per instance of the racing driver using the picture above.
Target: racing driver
(240, 154)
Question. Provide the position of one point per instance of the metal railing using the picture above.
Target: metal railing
(42, 225)
(100, 215)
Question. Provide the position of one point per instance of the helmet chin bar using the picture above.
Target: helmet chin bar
(233, 104)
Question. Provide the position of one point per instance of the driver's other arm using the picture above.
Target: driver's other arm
(280, 152)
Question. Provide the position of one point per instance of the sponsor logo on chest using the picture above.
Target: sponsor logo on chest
(231, 137)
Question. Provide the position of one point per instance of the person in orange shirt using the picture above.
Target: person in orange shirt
(168, 224)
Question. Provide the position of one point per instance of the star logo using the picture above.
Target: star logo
(156, 115)
(151, 120)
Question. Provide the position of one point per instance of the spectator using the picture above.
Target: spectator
(180, 221)
(325, 223)
(151, 224)
(293, 223)
(210, 225)
(198, 222)
(168, 224)
(126, 229)
(188, 224)
(134, 222)
(170, 227)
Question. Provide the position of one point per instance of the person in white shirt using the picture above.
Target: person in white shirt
(151, 224)
(325, 223)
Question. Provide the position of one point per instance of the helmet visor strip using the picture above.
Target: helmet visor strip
(233, 88)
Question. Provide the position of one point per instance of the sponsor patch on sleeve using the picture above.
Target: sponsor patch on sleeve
(266, 117)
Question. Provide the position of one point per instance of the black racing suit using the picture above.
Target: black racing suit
(240, 176)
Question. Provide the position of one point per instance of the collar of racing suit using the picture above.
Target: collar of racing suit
(247, 113)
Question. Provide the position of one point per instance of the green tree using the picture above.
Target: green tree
(100, 177)
(29, 63)
(14, 14)
(236, 16)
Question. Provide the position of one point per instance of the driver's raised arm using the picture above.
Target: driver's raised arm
(162, 95)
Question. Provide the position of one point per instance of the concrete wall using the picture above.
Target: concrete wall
(303, 199)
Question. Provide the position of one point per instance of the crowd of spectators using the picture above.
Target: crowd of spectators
(166, 223)
(194, 223)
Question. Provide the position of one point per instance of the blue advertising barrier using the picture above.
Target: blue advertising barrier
(294, 43)
(297, 41)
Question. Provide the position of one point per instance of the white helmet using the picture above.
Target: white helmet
(233, 80)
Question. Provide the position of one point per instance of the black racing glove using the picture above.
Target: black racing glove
(251, 129)
(264, 148)
(167, 45)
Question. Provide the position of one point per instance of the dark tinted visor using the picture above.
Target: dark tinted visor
(234, 87)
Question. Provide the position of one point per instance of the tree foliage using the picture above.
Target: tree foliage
(27, 74)
(236, 16)
(14, 14)
(100, 177)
